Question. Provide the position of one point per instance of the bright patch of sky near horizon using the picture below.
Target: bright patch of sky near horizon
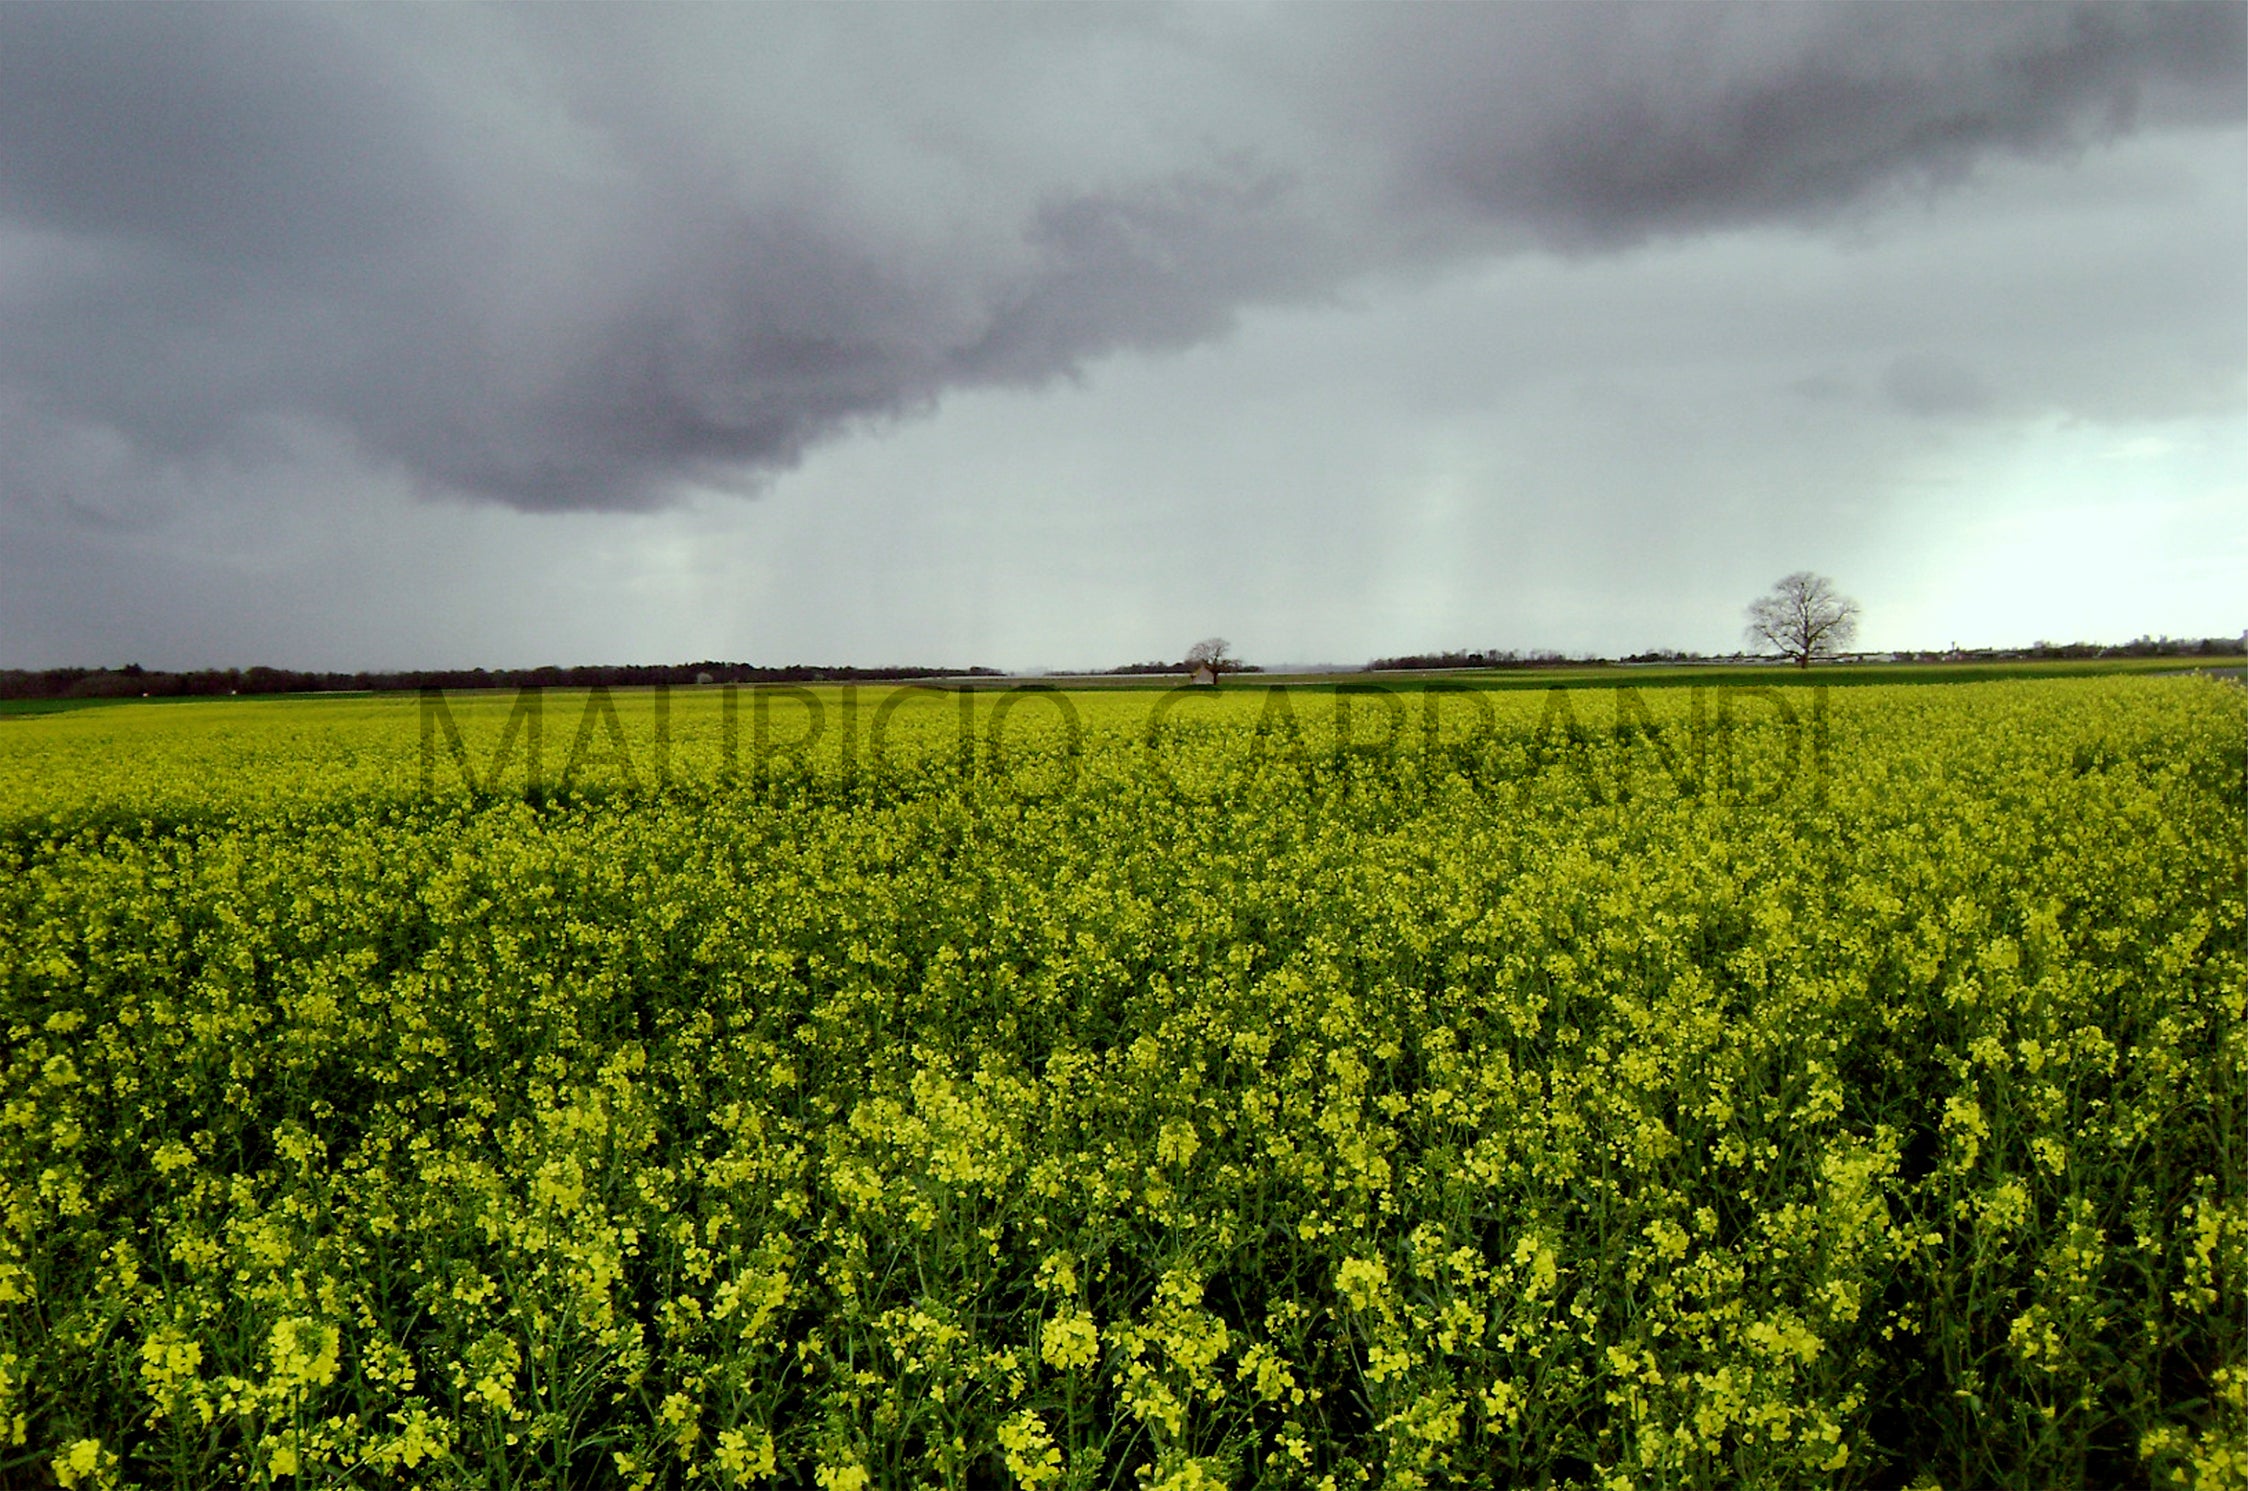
(2001, 401)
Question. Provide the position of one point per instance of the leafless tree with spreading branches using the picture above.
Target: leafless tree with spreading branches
(1214, 653)
(1803, 617)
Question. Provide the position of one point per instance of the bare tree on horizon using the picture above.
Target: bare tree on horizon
(1214, 653)
(1803, 617)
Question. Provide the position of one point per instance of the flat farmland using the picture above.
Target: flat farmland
(1386, 1084)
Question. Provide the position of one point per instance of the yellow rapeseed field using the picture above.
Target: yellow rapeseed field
(1289, 1088)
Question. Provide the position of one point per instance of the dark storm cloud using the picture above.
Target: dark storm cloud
(1612, 123)
(576, 258)
(247, 139)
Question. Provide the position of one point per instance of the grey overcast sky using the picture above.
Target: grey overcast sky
(343, 337)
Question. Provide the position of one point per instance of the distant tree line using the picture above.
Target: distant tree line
(1171, 667)
(2143, 647)
(2178, 647)
(1180, 666)
(1537, 657)
(134, 681)
(2182, 647)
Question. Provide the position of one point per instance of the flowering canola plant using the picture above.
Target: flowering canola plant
(1246, 1089)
